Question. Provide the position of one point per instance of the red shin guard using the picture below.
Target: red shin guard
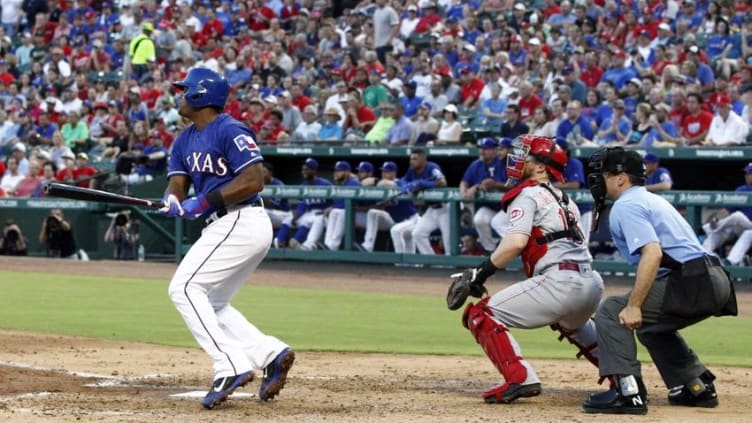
(492, 337)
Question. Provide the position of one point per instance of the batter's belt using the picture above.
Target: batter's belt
(223, 211)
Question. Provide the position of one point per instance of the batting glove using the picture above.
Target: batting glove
(195, 206)
(172, 207)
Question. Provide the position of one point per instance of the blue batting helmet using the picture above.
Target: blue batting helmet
(203, 88)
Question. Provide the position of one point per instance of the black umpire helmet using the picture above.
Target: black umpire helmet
(616, 160)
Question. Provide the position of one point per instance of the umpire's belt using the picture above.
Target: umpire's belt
(223, 211)
(696, 265)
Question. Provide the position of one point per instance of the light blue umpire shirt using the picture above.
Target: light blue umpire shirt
(640, 217)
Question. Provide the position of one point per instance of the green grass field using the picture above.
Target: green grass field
(307, 319)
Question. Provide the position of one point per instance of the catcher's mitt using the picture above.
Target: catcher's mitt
(463, 285)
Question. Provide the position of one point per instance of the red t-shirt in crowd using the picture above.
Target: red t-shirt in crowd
(472, 88)
(84, 172)
(256, 15)
(528, 106)
(591, 76)
(693, 126)
(365, 114)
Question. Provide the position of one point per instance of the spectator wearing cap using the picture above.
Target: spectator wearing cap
(696, 124)
(401, 132)
(513, 126)
(18, 152)
(487, 173)
(409, 22)
(330, 129)
(450, 131)
(84, 171)
(376, 92)
(137, 110)
(425, 127)
(23, 52)
(67, 170)
(142, 51)
(702, 71)
(308, 129)
(169, 114)
(615, 128)
(430, 16)
(579, 89)
(727, 128)
(309, 214)
(658, 178)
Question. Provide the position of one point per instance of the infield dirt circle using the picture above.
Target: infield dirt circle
(51, 378)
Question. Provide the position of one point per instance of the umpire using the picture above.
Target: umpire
(677, 285)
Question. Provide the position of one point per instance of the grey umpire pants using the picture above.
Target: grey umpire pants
(617, 349)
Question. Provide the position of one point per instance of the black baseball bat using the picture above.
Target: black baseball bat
(55, 189)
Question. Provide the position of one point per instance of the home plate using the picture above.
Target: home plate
(201, 394)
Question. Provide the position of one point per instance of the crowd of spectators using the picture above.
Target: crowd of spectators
(91, 79)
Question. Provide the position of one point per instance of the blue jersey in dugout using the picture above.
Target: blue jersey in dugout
(278, 203)
(574, 171)
(746, 210)
(661, 175)
(479, 171)
(431, 172)
(313, 204)
(401, 210)
(339, 203)
(212, 157)
(640, 217)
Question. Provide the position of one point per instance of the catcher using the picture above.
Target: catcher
(562, 290)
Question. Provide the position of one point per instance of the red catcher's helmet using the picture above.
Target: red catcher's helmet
(543, 149)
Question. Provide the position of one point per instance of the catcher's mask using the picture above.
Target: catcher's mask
(543, 149)
(611, 160)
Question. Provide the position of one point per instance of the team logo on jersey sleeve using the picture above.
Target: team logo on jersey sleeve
(245, 142)
(516, 214)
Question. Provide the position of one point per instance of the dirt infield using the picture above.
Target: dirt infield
(50, 378)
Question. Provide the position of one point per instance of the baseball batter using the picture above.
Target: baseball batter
(562, 290)
(219, 157)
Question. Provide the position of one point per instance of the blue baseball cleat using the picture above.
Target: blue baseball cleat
(275, 374)
(223, 387)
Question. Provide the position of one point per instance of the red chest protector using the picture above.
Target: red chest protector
(537, 243)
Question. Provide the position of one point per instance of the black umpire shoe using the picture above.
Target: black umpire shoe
(627, 396)
(695, 394)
